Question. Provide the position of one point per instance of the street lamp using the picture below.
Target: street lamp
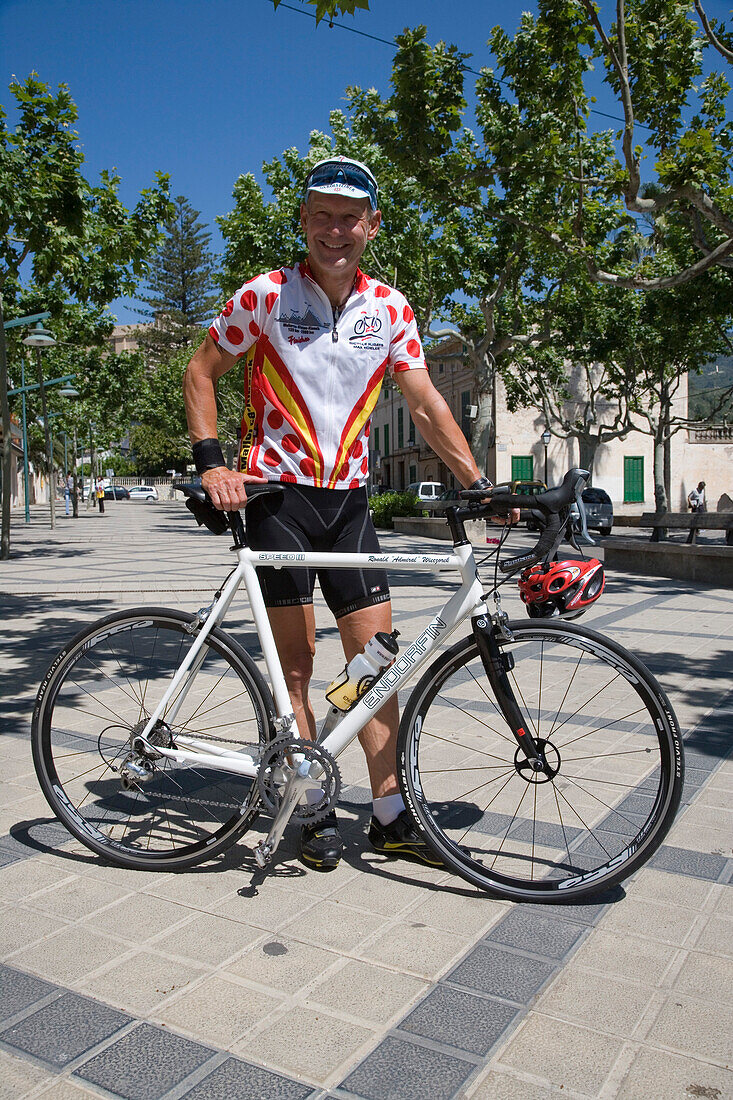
(42, 338)
(546, 437)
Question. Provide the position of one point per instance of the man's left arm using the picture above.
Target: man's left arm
(437, 426)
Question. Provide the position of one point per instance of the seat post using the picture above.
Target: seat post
(236, 524)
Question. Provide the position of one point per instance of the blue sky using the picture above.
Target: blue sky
(205, 91)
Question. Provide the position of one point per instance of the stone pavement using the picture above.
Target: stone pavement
(382, 979)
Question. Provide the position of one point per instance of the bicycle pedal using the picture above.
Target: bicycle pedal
(262, 853)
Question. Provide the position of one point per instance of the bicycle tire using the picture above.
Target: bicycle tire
(616, 760)
(98, 691)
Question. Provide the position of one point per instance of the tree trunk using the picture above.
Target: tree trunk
(668, 466)
(7, 457)
(660, 493)
(483, 433)
(47, 434)
(588, 445)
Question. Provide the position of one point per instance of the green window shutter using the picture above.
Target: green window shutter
(386, 439)
(522, 467)
(633, 480)
(376, 439)
(400, 428)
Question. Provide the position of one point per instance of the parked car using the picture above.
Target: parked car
(116, 492)
(426, 491)
(143, 492)
(448, 499)
(598, 511)
(528, 488)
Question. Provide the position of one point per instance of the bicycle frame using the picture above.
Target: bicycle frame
(466, 601)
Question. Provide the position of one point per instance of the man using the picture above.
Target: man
(318, 339)
(696, 498)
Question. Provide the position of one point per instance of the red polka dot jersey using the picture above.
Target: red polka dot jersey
(312, 378)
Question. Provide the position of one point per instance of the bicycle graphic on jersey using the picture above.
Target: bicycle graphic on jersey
(366, 325)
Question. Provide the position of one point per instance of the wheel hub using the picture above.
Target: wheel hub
(542, 770)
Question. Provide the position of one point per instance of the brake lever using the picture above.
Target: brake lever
(584, 534)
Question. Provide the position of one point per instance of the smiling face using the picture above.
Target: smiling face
(337, 230)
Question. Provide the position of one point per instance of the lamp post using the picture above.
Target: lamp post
(90, 498)
(546, 437)
(42, 338)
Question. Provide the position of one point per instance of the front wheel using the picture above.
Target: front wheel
(612, 781)
(147, 811)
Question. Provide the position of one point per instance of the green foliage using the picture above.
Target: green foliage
(385, 506)
(333, 7)
(122, 465)
(74, 233)
(106, 382)
(159, 433)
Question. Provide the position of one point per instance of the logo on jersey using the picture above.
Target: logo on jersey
(365, 332)
(306, 324)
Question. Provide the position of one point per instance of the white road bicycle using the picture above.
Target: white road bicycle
(541, 761)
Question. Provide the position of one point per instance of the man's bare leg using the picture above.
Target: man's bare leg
(294, 630)
(379, 736)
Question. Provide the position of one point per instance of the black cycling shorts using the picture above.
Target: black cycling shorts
(303, 518)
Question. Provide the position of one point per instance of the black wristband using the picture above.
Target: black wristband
(207, 454)
(481, 483)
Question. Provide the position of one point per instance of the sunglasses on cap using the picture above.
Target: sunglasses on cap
(345, 177)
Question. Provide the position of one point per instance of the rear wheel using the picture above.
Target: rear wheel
(613, 777)
(135, 809)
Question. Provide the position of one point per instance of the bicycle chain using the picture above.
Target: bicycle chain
(203, 801)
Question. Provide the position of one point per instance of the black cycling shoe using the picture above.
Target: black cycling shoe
(401, 838)
(321, 845)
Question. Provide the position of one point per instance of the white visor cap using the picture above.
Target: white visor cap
(342, 176)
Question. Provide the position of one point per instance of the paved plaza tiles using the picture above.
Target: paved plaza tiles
(383, 979)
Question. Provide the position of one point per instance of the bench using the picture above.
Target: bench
(692, 522)
(702, 564)
(436, 527)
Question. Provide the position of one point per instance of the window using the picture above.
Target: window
(400, 428)
(386, 439)
(413, 473)
(633, 480)
(376, 439)
(522, 467)
(410, 429)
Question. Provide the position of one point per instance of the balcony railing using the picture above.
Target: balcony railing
(721, 434)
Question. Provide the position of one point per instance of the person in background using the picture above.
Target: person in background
(696, 499)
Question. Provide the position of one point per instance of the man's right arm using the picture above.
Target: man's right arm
(225, 487)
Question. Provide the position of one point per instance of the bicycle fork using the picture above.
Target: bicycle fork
(497, 666)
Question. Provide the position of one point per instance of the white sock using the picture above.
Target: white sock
(387, 809)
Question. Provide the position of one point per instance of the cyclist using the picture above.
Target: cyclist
(318, 338)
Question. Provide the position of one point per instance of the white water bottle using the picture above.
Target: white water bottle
(362, 670)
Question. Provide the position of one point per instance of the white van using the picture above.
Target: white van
(426, 491)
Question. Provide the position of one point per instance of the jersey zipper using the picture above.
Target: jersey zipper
(334, 331)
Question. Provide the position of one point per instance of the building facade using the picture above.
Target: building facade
(624, 468)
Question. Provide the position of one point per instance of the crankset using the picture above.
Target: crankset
(283, 780)
(277, 766)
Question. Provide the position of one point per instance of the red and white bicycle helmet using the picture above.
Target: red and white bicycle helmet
(564, 588)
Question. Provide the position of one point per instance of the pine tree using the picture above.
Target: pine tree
(180, 286)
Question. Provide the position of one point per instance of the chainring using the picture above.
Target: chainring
(275, 770)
